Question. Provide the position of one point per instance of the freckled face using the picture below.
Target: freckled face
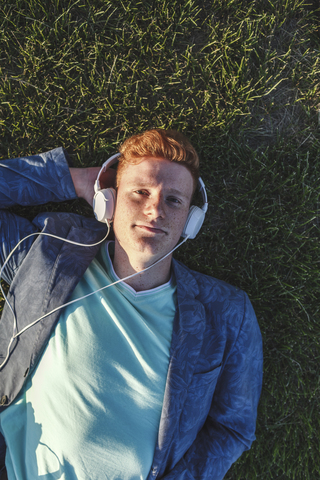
(153, 200)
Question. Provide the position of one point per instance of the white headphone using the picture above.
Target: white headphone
(104, 202)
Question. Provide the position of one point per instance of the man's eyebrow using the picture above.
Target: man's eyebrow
(178, 192)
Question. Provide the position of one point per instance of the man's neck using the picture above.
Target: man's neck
(152, 278)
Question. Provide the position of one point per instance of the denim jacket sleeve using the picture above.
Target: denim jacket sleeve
(230, 426)
(27, 181)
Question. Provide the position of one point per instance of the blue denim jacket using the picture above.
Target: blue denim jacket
(215, 369)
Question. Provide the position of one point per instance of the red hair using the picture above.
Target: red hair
(159, 143)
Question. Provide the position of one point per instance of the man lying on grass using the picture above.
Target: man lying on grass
(159, 375)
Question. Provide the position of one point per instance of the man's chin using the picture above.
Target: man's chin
(154, 250)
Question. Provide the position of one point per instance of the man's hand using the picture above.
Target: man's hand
(84, 178)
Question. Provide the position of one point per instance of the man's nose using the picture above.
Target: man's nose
(155, 207)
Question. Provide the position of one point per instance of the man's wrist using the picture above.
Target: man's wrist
(77, 175)
(83, 181)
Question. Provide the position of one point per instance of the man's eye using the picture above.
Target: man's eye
(141, 192)
(173, 200)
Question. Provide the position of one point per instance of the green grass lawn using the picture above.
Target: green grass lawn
(242, 80)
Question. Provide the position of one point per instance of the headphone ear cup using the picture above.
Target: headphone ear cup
(104, 202)
(194, 222)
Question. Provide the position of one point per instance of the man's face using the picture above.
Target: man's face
(153, 200)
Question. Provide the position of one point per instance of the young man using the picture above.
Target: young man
(158, 376)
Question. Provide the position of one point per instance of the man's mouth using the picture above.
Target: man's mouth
(151, 229)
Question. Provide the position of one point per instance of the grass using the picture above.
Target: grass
(242, 80)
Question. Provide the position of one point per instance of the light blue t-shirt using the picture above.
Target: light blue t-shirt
(92, 407)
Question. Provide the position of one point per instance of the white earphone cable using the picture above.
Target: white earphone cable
(16, 334)
(47, 235)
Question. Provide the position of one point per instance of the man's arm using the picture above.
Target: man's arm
(230, 426)
(27, 181)
(36, 180)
